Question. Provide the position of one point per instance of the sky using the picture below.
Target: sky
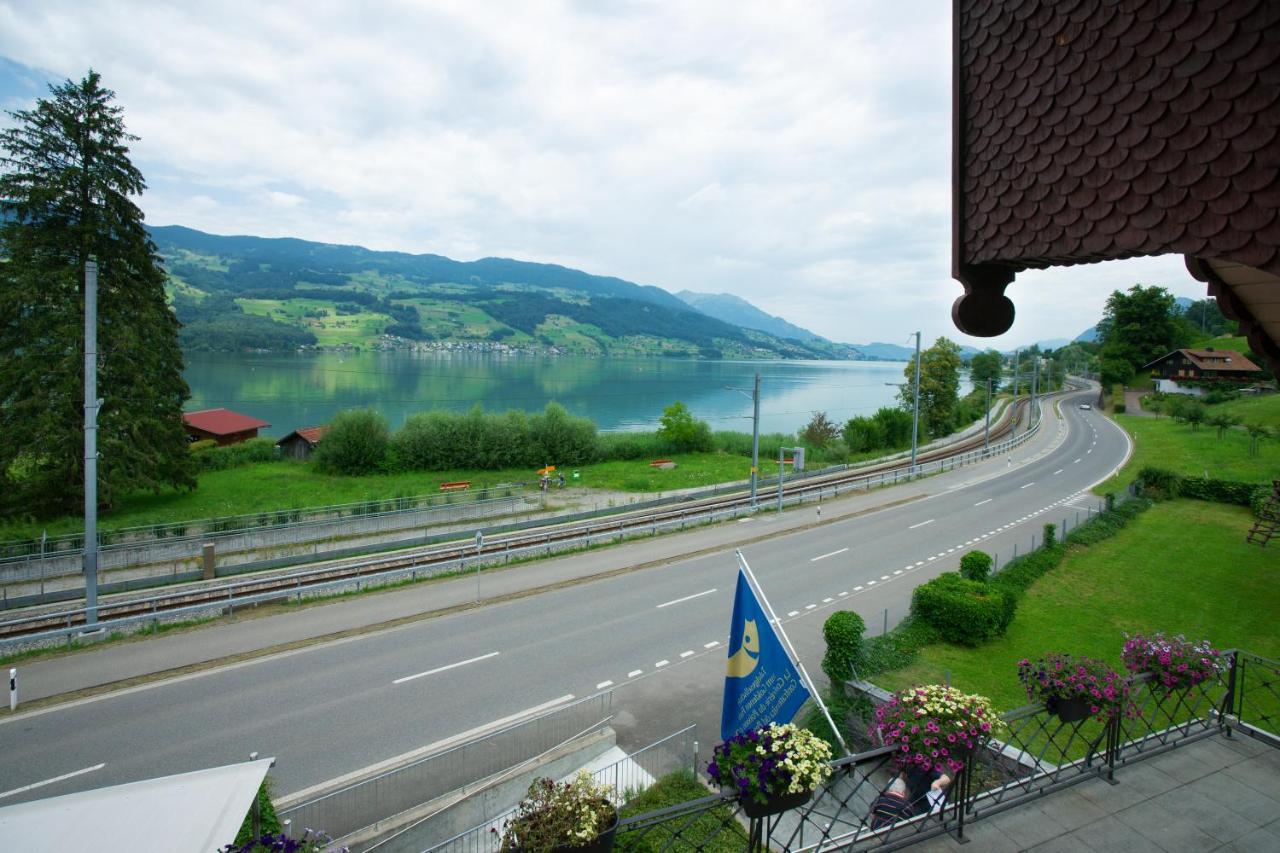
(796, 155)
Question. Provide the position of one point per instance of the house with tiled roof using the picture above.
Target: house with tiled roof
(221, 425)
(1173, 372)
(301, 443)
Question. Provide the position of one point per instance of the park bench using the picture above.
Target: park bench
(454, 487)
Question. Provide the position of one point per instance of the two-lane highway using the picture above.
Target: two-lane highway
(655, 636)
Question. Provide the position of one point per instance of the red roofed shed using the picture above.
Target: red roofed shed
(301, 443)
(221, 425)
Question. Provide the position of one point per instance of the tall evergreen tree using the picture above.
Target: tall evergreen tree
(66, 184)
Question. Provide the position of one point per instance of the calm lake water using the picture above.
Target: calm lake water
(292, 391)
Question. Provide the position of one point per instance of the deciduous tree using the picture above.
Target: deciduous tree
(1139, 326)
(984, 366)
(939, 386)
(66, 194)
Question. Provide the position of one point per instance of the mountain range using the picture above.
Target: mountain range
(239, 292)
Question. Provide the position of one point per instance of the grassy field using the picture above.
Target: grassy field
(1181, 567)
(1163, 443)
(1253, 410)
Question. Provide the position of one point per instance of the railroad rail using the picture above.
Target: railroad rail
(40, 628)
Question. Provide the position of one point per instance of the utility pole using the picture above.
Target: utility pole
(1013, 430)
(755, 441)
(755, 435)
(91, 406)
(986, 435)
(915, 417)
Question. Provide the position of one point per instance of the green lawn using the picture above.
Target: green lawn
(1163, 443)
(1181, 567)
(1254, 410)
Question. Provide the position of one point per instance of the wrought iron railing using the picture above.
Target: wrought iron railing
(1036, 754)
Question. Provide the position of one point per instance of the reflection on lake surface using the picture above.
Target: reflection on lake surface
(292, 391)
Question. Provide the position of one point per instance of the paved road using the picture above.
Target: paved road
(655, 635)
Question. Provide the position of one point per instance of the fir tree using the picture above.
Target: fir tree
(66, 184)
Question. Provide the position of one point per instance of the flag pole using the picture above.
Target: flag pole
(777, 623)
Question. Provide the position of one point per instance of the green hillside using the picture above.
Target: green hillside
(237, 293)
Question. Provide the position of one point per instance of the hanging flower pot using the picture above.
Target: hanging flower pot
(762, 766)
(1070, 710)
(773, 804)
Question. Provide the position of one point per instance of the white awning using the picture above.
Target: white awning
(196, 812)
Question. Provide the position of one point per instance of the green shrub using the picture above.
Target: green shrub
(1160, 483)
(1020, 573)
(898, 648)
(964, 612)
(975, 566)
(1119, 408)
(843, 633)
(1257, 499)
(1050, 535)
(356, 443)
(713, 830)
(209, 456)
(269, 823)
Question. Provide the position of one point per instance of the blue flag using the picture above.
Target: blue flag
(761, 684)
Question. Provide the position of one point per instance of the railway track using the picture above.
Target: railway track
(498, 546)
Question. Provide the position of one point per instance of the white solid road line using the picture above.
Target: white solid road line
(35, 785)
(686, 598)
(824, 556)
(443, 668)
(921, 524)
(987, 501)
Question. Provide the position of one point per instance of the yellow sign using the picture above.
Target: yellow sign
(547, 470)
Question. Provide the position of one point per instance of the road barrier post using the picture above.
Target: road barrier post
(13, 689)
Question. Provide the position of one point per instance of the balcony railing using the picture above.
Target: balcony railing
(1038, 755)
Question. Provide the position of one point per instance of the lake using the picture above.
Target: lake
(292, 390)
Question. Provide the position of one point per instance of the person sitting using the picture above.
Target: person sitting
(892, 804)
(926, 790)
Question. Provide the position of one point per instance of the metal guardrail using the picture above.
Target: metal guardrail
(303, 589)
(1040, 754)
(628, 777)
(363, 803)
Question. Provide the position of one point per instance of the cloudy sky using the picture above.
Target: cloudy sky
(794, 154)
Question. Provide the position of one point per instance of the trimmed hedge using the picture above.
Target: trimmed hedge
(964, 612)
(976, 566)
(1167, 484)
(843, 633)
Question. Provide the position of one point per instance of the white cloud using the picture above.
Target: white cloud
(796, 155)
